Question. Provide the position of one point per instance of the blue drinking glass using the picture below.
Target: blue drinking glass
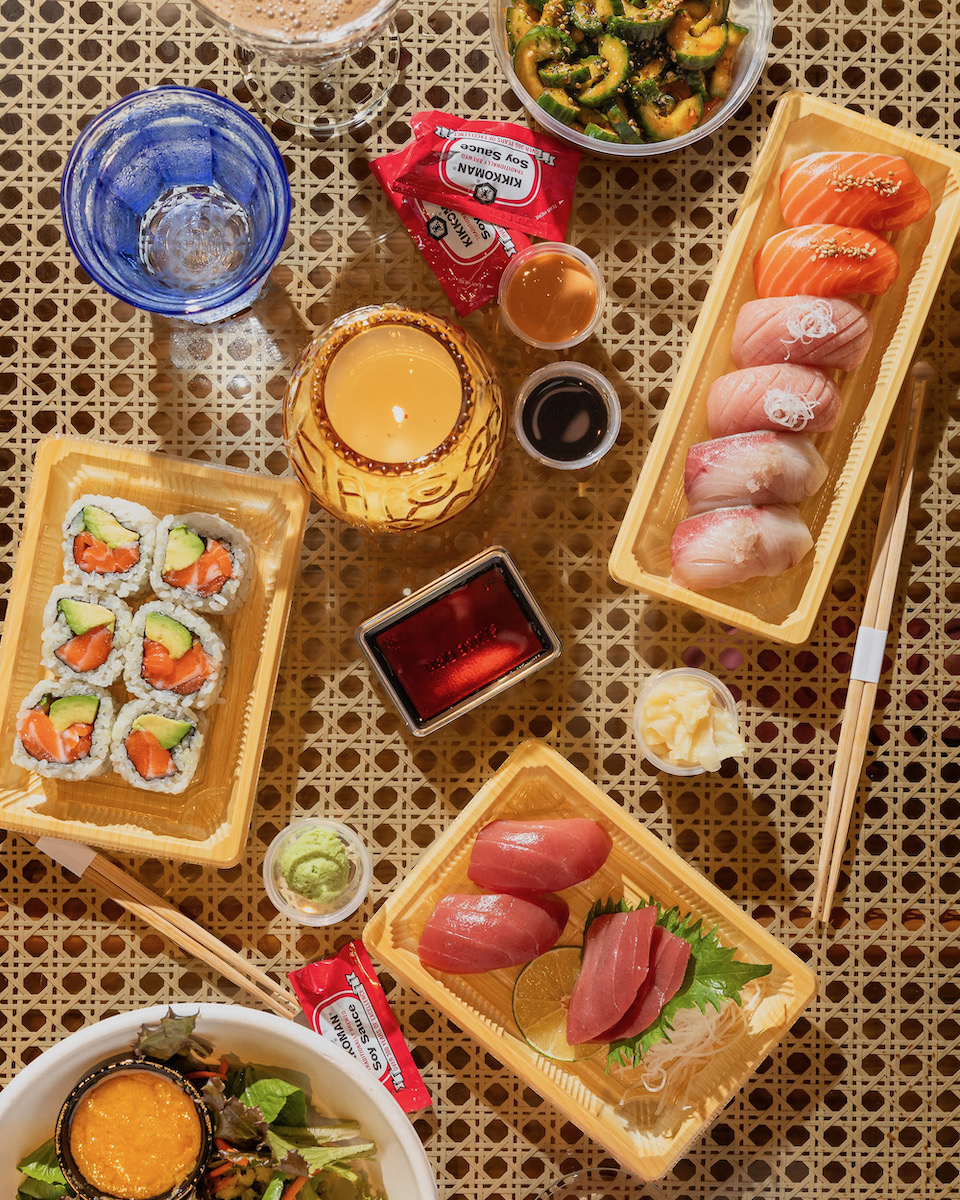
(176, 200)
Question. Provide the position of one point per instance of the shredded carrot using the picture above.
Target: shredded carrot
(293, 1187)
(222, 1069)
(215, 1171)
(204, 1075)
(221, 1144)
(219, 1184)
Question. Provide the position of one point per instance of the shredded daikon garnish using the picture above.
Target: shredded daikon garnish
(787, 409)
(668, 1073)
(808, 321)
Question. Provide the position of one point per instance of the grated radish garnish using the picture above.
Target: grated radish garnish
(808, 321)
(787, 409)
(670, 1069)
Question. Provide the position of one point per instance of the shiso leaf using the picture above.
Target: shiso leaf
(713, 976)
(172, 1036)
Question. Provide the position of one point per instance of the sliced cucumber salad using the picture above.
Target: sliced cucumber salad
(622, 73)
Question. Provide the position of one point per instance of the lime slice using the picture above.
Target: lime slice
(540, 998)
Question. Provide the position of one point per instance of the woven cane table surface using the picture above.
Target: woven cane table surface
(862, 1099)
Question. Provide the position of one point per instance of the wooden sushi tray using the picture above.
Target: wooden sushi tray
(537, 782)
(208, 822)
(785, 608)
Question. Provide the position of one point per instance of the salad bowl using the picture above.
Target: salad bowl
(30, 1104)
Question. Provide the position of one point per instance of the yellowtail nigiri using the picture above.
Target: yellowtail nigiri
(731, 545)
(752, 468)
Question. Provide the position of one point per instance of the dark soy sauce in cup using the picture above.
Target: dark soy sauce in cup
(565, 418)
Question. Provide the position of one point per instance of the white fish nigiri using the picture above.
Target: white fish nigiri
(752, 468)
(780, 398)
(730, 545)
(815, 331)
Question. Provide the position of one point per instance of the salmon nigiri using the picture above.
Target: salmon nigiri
(730, 545)
(873, 191)
(814, 331)
(824, 260)
(797, 399)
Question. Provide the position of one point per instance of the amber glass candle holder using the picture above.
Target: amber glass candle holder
(394, 419)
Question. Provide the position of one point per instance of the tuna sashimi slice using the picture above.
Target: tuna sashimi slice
(814, 331)
(752, 468)
(616, 956)
(731, 545)
(537, 856)
(669, 956)
(468, 934)
(825, 260)
(874, 191)
(783, 399)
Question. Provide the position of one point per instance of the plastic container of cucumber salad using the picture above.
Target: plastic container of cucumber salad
(756, 15)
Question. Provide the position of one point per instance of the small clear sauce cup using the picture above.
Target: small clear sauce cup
(582, 373)
(301, 908)
(523, 259)
(663, 679)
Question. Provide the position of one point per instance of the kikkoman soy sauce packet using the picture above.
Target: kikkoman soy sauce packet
(467, 255)
(494, 170)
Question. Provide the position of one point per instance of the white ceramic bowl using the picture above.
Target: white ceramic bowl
(757, 15)
(335, 1081)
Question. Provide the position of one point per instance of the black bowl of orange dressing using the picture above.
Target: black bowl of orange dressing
(133, 1130)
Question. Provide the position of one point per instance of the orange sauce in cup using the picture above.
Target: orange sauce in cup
(552, 298)
(135, 1135)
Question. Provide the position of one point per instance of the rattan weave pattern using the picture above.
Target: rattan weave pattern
(862, 1101)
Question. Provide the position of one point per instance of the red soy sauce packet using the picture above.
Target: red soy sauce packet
(345, 1004)
(494, 170)
(467, 255)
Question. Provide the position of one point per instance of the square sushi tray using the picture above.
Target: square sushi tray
(208, 822)
(538, 783)
(784, 608)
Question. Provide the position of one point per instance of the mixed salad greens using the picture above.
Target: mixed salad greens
(268, 1144)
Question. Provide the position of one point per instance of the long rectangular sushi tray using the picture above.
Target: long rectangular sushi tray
(208, 823)
(785, 608)
(538, 783)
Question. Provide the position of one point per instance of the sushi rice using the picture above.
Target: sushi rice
(211, 644)
(131, 516)
(186, 754)
(57, 631)
(208, 527)
(92, 764)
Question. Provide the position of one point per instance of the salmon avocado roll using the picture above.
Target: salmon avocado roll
(108, 544)
(201, 562)
(175, 656)
(85, 634)
(63, 730)
(156, 746)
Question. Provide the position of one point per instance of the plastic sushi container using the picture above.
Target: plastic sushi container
(90, 764)
(113, 530)
(179, 632)
(173, 744)
(75, 612)
(190, 563)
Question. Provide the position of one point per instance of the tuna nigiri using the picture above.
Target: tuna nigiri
(824, 260)
(469, 934)
(669, 956)
(752, 468)
(537, 856)
(874, 191)
(797, 399)
(731, 545)
(616, 955)
(815, 331)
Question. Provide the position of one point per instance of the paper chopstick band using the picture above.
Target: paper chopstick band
(868, 654)
(75, 856)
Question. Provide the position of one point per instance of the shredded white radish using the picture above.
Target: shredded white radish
(787, 409)
(808, 321)
(669, 1070)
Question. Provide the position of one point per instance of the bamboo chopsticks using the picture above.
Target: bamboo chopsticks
(132, 895)
(868, 654)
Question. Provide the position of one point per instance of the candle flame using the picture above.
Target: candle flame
(398, 414)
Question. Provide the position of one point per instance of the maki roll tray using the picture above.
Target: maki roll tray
(785, 607)
(208, 822)
(537, 782)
